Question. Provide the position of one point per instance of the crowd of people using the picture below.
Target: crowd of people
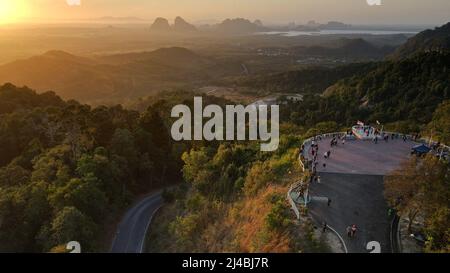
(314, 151)
(392, 136)
(315, 178)
(313, 157)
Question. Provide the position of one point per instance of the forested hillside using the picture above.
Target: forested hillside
(408, 90)
(116, 77)
(68, 170)
(437, 40)
(308, 80)
(13, 98)
(235, 201)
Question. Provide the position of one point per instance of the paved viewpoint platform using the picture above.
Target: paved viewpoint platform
(353, 180)
(363, 157)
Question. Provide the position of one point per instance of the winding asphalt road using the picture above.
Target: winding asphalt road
(131, 233)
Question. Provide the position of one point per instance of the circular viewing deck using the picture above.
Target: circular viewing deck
(362, 157)
(352, 178)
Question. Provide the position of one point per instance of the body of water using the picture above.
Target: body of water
(337, 32)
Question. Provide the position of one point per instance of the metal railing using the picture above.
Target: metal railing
(292, 203)
(427, 141)
(305, 151)
(307, 143)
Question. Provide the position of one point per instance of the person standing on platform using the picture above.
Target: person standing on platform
(324, 227)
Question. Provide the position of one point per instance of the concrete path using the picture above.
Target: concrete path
(355, 199)
(353, 180)
(363, 157)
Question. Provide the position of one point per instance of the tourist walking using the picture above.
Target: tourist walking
(353, 229)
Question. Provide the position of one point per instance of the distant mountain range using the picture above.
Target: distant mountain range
(138, 74)
(162, 26)
(239, 26)
(115, 76)
(418, 72)
(329, 26)
(173, 56)
(228, 26)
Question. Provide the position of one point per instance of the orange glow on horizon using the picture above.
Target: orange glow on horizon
(12, 11)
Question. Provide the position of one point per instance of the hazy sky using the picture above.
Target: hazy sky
(352, 11)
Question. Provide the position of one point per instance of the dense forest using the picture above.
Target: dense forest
(408, 91)
(235, 201)
(67, 170)
(437, 40)
(420, 189)
(308, 80)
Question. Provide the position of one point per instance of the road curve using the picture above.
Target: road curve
(131, 233)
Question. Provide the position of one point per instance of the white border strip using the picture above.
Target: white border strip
(340, 238)
(148, 225)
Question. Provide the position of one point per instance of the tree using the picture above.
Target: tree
(440, 125)
(65, 169)
(53, 166)
(422, 186)
(438, 231)
(13, 175)
(278, 217)
(323, 128)
(82, 194)
(23, 210)
(122, 144)
(68, 225)
(152, 122)
(184, 229)
(403, 189)
(258, 176)
(198, 169)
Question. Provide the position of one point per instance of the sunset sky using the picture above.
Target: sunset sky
(434, 12)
